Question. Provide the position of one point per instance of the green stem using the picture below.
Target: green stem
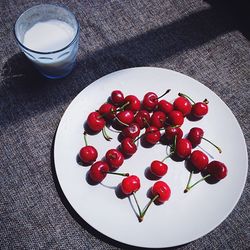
(219, 149)
(147, 206)
(123, 106)
(165, 158)
(105, 135)
(189, 179)
(137, 204)
(125, 124)
(146, 122)
(186, 96)
(202, 179)
(164, 94)
(85, 138)
(114, 173)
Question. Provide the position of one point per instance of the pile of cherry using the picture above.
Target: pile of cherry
(153, 119)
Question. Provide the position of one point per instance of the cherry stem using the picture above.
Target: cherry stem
(123, 106)
(186, 96)
(139, 137)
(145, 120)
(163, 94)
(114, 173)
(146, 207)
(85, 138)
(137, 204)
(206, 101)
(105, 135)
(125, 124)
(189, 187)
(165, 158)
(219, 149)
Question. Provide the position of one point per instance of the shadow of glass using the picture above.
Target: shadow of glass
(22, 84)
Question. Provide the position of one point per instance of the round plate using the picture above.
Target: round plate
(186, 216)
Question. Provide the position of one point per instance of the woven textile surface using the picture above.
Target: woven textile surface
(196, 38)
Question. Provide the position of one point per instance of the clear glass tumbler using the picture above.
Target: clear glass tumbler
(52, 64)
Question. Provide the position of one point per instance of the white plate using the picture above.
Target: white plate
(185, 217)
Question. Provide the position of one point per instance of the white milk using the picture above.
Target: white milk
(48, 36)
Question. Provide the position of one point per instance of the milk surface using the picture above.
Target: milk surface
(48, 36)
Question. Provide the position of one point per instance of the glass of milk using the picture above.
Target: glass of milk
(49, 35)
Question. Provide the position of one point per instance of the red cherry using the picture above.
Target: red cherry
(150, 101)
(158, 119)
(95, 121)
(88, 154)
(158, 168)
(183, 105)
(175, 118)
(195, 135)
(98, 171)
(125, 117)
(107, 111)
(152, 135)
(117, 97)
(165, 106)
(128, 146)
(162, 190)
(130, 184)
(142, 118)
(183, 148)
(134, 103)
(217, 169)
(132, 131)
(199, 160)
(171, 132)
(199, 109)
(114, 158)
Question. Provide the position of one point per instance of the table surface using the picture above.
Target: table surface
(201, 39)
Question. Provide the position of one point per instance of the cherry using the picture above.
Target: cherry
(162, 190)
(165, 106)
(199, 160)
(171, 132)
(183, 105)
(175, 118)
(152, 135)
(158, 119)
(183, 148)
(88, 154)
(200, 109)
(107, 111)
(95, 121)
(217, 170)
(196, 134)
(98, 171)
(161, 193)
(150, 101)
(128, 146)
(158, 168)
(132, 131)
(114, 158)
(125, 117)
(130, 184)
(133, 102)
(117, 97)
(142, 118)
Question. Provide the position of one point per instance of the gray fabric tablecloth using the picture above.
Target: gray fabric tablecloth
(197, 38)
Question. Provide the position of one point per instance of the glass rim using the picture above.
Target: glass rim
(48, 52)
